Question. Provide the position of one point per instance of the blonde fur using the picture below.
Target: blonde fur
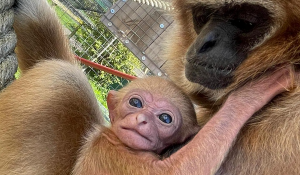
(269, 143)
(51, 122)
(40, 34)
(44, 114)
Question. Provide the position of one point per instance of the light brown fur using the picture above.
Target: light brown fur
(104, 153)
(46, 114)
(270, 142)
(34, 44)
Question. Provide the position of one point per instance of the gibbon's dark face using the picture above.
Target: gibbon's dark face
(225, 36)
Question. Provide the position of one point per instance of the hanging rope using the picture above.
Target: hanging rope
(8, 61)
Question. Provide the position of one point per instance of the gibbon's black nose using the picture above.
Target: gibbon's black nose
(209, 42)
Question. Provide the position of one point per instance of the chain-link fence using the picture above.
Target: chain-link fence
(124, 35)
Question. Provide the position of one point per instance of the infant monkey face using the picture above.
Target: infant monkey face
(148, 121)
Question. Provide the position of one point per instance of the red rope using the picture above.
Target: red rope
(106, 69)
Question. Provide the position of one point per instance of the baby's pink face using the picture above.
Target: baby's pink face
(148, 121)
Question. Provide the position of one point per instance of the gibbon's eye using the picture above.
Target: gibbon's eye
(166, 118)
(244, 25)
(135, 102)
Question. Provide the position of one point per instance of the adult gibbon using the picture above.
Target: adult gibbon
(50, 119)
(217, 46)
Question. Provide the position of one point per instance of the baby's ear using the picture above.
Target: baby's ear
(112, 104)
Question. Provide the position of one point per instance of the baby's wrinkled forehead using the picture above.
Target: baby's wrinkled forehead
(151, 96)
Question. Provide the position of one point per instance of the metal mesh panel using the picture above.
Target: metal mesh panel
(123, 35)
(141, 28)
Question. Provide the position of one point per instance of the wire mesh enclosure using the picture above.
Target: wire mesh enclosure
(141, 28)
(125, 35)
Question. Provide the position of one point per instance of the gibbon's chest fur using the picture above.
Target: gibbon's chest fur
(270, 142)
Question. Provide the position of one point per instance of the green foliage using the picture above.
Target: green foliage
(18, 74)
(99, 92)
(98, 44)
(93, 40)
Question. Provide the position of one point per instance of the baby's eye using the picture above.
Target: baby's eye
(166, 118)
(135, 102)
